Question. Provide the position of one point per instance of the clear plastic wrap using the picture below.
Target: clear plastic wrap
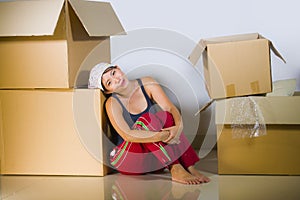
(247, 120)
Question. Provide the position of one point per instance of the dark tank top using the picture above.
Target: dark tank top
(131, 118)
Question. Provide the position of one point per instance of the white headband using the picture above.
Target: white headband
(96, 75)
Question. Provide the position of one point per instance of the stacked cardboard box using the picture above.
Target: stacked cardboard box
(274, 152)
(237, 71)
(48, 125)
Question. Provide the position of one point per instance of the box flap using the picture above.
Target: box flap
(98, 18)
(29, 18)
(201, 46)
(231, 38)
(272, 47)
(276, 52)
(197, 52)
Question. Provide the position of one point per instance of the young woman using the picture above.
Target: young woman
(148, 123)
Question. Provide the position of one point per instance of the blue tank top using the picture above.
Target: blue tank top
(131, 118)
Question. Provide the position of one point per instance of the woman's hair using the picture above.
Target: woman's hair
(107, 95)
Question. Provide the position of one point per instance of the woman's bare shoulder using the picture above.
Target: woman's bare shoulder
(108, 101)
(111, 101)
(148, 80)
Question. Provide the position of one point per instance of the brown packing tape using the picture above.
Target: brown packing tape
(230, 90)
(255, 87)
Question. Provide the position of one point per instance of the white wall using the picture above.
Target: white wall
(195, 19)
(162, 33)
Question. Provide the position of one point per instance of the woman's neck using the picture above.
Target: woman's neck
(127, 92)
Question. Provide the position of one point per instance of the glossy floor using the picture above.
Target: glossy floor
(151, 186)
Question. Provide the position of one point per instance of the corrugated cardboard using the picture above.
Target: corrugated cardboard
(52, 132)
(45, 44)
(277, 152)
(236, 65)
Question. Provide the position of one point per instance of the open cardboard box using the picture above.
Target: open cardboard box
(45, 43)
(237, 65)
(53, 132)
(276, 152)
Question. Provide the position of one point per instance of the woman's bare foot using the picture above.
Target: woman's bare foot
(196, 173)
(179, 174)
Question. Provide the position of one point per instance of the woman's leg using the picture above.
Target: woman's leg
(133, 158)
(182, 151)
(187, 156)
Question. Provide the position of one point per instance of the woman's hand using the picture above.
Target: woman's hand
(164, 134)
(173, 135)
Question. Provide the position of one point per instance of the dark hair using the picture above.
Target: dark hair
(105, 71)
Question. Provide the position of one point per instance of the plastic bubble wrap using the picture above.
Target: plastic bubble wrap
(247, 120)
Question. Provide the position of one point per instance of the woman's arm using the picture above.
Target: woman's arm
(156, 93)
(114, 112)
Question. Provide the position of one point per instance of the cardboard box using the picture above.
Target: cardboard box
(53, 44)
(275, 152)
(236, 65)
(52, 132)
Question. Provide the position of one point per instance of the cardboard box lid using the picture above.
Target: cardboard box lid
(26, 18)
(98, 18)
(39, 18)
(270, 110)
(203, 43)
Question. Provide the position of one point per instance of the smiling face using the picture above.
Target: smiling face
(114, 80)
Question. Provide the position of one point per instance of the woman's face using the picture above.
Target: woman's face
(114, 80)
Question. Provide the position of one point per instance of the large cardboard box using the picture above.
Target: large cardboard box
(53, 43)
(52, 132)
(275, 150)
(237, 65)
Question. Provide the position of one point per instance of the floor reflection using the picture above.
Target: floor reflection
(150, 186)
(114, 186)
(52, 187)
(259, 187)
